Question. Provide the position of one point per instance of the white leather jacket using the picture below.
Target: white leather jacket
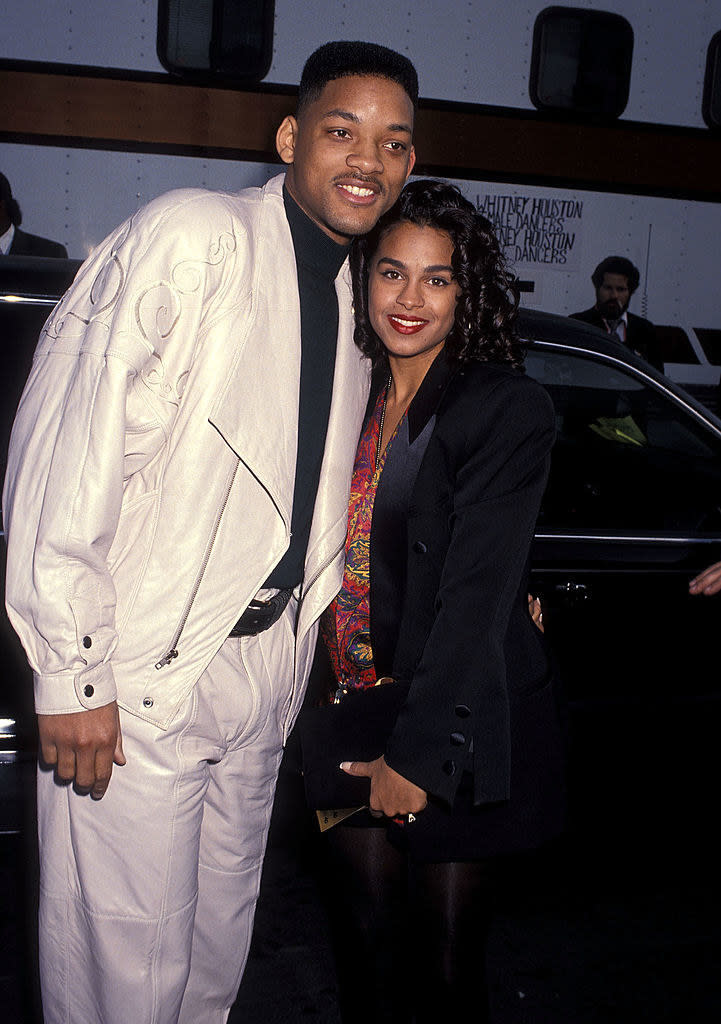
(152, 461)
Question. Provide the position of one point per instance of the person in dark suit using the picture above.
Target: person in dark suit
(615, 280)
(13, 241)
(447, 484)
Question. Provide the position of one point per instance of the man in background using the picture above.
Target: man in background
(13, 241)
(615, 280)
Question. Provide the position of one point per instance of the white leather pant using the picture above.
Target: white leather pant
(147, 896)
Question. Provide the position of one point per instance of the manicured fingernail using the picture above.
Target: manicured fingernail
(344, 766)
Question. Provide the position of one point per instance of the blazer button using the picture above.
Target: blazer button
(87, 642)
(449, 767)
(457, 739)
(420, 548)
(89, 690)
(462, 710)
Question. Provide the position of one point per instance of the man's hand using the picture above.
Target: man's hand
(708, 582)
(83, 746)
(391, 793)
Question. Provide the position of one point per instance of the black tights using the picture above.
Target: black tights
(409, 939)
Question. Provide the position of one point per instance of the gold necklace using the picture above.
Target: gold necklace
(383, 419)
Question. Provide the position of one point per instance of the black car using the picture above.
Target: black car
(29, 288)
(631, 513)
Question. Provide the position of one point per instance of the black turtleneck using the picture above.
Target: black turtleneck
(318, 259)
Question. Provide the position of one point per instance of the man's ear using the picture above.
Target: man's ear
(285, 139)
(411, 161)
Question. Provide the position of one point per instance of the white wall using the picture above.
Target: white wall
(77, 196)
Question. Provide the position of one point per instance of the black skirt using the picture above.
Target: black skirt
(534, 814)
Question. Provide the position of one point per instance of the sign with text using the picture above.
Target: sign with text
(536, 231)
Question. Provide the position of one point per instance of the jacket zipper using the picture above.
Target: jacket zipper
(314, 578)
(319, 572)
(172, 652)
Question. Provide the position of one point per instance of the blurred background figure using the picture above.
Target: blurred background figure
(13, 241)
(615, 280)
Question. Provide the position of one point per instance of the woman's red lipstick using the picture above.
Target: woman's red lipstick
(406, 324)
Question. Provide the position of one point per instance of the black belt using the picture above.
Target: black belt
(261, 615)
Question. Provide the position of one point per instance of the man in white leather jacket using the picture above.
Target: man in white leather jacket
(148, 504)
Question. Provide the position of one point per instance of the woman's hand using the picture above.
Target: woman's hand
(534, 610)
(392, 795)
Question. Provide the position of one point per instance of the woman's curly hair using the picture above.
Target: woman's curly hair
(487, 306)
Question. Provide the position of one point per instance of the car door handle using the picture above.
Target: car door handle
(573, 593)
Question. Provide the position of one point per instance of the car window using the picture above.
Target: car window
(710, 338)
(627, 456)
(672, 345)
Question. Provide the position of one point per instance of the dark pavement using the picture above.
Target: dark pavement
(617, 924)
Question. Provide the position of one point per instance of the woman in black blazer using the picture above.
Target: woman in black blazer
(448, 481)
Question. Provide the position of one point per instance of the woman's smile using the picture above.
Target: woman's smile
(406, 326)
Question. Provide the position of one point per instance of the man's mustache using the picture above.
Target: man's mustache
(612, 307)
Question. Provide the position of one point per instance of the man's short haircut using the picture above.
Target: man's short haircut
(344, 59)
(617, 265)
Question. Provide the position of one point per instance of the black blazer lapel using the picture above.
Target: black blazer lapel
(428, 397)
(390, 512)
